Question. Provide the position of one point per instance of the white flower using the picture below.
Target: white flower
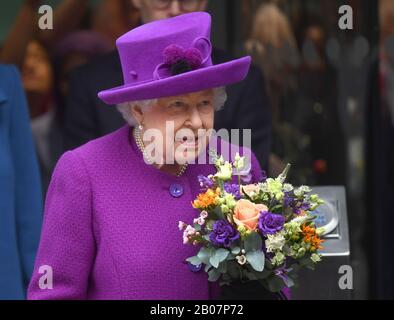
(225, 171)
(275, 242)
(300, 219)
(181, 225)
(287, 187)
(200, 221)
(241, 259)
(190, 230)
(219, 161)
(315, 257)
(278, 259)
(239, 162)
(301, 191)
(203, 214)
(305, 189)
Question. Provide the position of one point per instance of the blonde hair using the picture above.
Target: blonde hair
(272, 27)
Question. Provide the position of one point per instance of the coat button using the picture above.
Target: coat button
(176, 190)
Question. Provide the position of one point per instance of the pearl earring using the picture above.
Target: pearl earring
(140, 127)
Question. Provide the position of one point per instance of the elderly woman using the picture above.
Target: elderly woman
(112, 210)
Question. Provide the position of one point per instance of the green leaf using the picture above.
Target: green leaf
(204, 254)
(222, 254)
(218, 256)
(275, 284)
(277, 207)
(218, 214)
(253, 242)
(222, 267)
(233, 269)
(235, 250)
(213, 275)
(307, 262)
(250, 275)
(256, 259)
(194, 260)
(214, 261)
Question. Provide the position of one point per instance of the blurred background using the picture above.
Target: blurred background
(331, 93)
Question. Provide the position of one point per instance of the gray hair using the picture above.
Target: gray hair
(219, 99)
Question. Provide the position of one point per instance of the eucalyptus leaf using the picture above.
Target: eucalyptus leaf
(214, 261)
(194, 260)
(233, 269)
(213, 275)
(253, 242)
(250, 275)
(204, 254)
(256, 259)
(222, 267)
(218, 256)
(235, 250)
(222, 254)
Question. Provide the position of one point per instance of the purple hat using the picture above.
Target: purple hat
(170, 57)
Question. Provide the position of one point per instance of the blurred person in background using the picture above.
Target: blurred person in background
(87, 118)
(304, 101)
(273, 47)
(20, 189)
(48, 56)
(74, 50)
(315, 110)
(112, 18)
(37, 79)
(67, 16)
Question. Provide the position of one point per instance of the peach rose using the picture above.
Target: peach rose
(247, 213)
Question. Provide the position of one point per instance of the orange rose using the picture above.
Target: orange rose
(247, 213)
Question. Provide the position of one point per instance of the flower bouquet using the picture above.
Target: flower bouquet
(263, 232)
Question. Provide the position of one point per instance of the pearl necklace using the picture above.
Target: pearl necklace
(141, 146)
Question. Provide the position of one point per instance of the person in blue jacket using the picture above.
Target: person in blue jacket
(20, 189)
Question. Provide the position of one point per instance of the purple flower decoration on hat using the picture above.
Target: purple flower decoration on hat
(270, 223)
(180, 60)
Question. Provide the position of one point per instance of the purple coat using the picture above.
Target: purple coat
(110, 226)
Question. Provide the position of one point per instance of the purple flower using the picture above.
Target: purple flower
(270, 223)
(180, 60)
(296, 205)
(223, 233)
(172, 54)
(205, 182)
(233, 189)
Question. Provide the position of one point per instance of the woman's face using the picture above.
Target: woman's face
(183, 122)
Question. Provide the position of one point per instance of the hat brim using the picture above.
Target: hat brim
(192, 81)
